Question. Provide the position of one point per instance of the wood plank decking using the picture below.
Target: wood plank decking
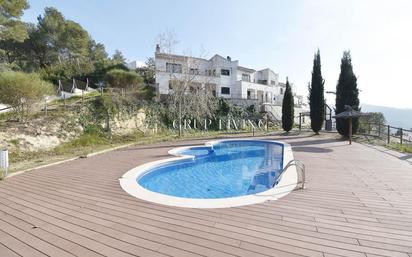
(358, 202)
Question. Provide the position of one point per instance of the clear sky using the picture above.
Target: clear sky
(282, 35)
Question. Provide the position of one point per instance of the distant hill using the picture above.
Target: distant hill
(394, 116)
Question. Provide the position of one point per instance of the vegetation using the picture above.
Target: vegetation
(57, 48)
(11, 28)
(199, 104)
(226, 109)
(123, 79)
(373, 130)
(118, 57)
(13, 32)
(22, 91)
(99, 114)
(288, 106)
(148, 75)
(373, 122)
(404, 148)
(373, 117)
(346, 94)
(189, 99)
(316, 97)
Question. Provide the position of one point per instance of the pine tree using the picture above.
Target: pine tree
(11, 27)
(287, 108)
(316, 97)
(118, 57)
(347, 93)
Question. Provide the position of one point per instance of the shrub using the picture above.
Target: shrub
(22, 91)
(123, 79)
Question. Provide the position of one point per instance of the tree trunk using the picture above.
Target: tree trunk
(107, 123)
(350, 130)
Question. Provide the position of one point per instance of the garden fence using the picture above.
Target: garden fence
(386, 132)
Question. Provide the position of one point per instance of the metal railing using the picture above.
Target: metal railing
(273, 118)
(300, 168)
(386, 132)
(5, 109)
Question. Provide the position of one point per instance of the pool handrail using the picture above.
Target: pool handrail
(300, 167)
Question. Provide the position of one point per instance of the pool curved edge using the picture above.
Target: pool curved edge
(128, 182)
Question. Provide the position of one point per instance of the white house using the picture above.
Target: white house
(226, 78)
(132, 65)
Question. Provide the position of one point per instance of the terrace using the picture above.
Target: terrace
(357, 203)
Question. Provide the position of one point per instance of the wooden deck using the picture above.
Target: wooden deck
(358, 202)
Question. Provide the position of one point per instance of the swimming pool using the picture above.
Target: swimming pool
(218, 174)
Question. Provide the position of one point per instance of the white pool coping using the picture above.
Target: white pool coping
(287, 183)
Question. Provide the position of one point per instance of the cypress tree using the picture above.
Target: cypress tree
(347, 93)
(316, 97)
(287, 108)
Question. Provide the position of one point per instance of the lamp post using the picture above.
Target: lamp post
(4, 161)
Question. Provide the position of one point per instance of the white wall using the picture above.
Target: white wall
(215, 63)
(276, 110)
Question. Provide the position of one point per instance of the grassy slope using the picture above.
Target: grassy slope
(401, 148)
(88, 142)
(374, 140)
(91, 143)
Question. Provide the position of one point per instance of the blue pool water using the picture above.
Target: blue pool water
(226, 169)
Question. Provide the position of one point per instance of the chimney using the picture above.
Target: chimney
(228, 58)
(157, 48)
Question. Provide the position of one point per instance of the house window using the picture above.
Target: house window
(246, 77)
(281, 91)
(173, 67)
(210, 72)
(194, 71)
(225, 90)
(225, 72)
(262, 81)
(249, 95)
(273, 83)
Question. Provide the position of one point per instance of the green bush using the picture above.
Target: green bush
(23, 91)
(123, 79)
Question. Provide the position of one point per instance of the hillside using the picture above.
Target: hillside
(394, 116)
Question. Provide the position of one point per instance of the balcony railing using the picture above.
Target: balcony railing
(203, 74)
